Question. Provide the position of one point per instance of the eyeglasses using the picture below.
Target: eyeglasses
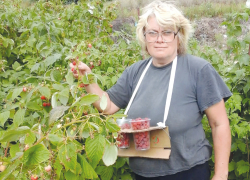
(167, 36)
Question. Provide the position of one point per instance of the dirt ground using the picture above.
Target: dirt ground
(210, 29)
(206, 30)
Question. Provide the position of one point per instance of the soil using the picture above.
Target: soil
(210, 30)
(206, 30)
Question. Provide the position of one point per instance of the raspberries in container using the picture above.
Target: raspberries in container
(123, 138)
(140, 123)
(141, 139)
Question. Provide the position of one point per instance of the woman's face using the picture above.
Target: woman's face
(162, 52)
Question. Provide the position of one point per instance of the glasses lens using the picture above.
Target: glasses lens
(167, 36)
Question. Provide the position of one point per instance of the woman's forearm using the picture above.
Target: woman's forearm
(222, 146)
(95, 89)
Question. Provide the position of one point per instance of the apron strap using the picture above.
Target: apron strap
(170, 88)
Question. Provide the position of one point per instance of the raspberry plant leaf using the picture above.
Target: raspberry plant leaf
(55, 139)
(30, 138)
(16, 93)
(111, 125)
(95, 147)
(45, 91)
(14, 149)
(19, 117)
(87, 170)
(103, 102)
(67, 156)
(64, 96)
(3, 117)
(36, 155)
(110, 154)
(242, 167)
(56, 113)
(105, 172)
(14, 134)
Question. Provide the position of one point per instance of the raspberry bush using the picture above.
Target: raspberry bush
(48, 126)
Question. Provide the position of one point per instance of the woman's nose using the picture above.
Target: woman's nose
(159, 38)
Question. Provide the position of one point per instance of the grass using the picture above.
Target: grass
(193, 9)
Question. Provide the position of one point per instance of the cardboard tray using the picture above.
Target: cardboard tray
(160, 146)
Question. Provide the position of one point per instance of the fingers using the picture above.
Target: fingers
(82, 69)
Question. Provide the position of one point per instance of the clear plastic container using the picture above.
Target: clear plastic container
(140, 123)
(123, 138)
(124, 123)
(142, 140)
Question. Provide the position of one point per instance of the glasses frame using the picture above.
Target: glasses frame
(160, 33)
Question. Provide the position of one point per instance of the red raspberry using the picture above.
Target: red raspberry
(74, 63)
(43, 97)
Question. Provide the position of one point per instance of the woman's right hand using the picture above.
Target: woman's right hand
(82, 68)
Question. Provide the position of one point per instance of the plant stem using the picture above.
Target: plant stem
(40, 140)
(6, 150)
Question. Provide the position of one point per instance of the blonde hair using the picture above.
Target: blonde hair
(167, 15)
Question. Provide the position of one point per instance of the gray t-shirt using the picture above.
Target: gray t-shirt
(197, 86)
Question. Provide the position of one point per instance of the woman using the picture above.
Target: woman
(163, 33)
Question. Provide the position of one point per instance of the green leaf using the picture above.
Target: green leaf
(56, 113)
(19, 117)
(246, 87)
(58, 87)
(5, 174)
(45, 92)
(3, 117)
(105, 172)
(69, 175)
(16, 65)
(54, 102)
(35, 67)
(55, 139)
(241, 146)
(126, 176)
(64, 96)
(30, 138)
(14, 149)
(16, 93)
(112, 126)
(89, 99)
(87, 169)
(57, 167)
(244, 59)
(110, 154)
(67, 155)
(242, 167)
(104, 102)
(234, 147)
(123, 45)
(36, 155)
(69, 78)
(231, 166)
(34, 106)
(120, 162)
(14, 134)
(56, 75)
(110, 69)
(95, 147)
(51, 59)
